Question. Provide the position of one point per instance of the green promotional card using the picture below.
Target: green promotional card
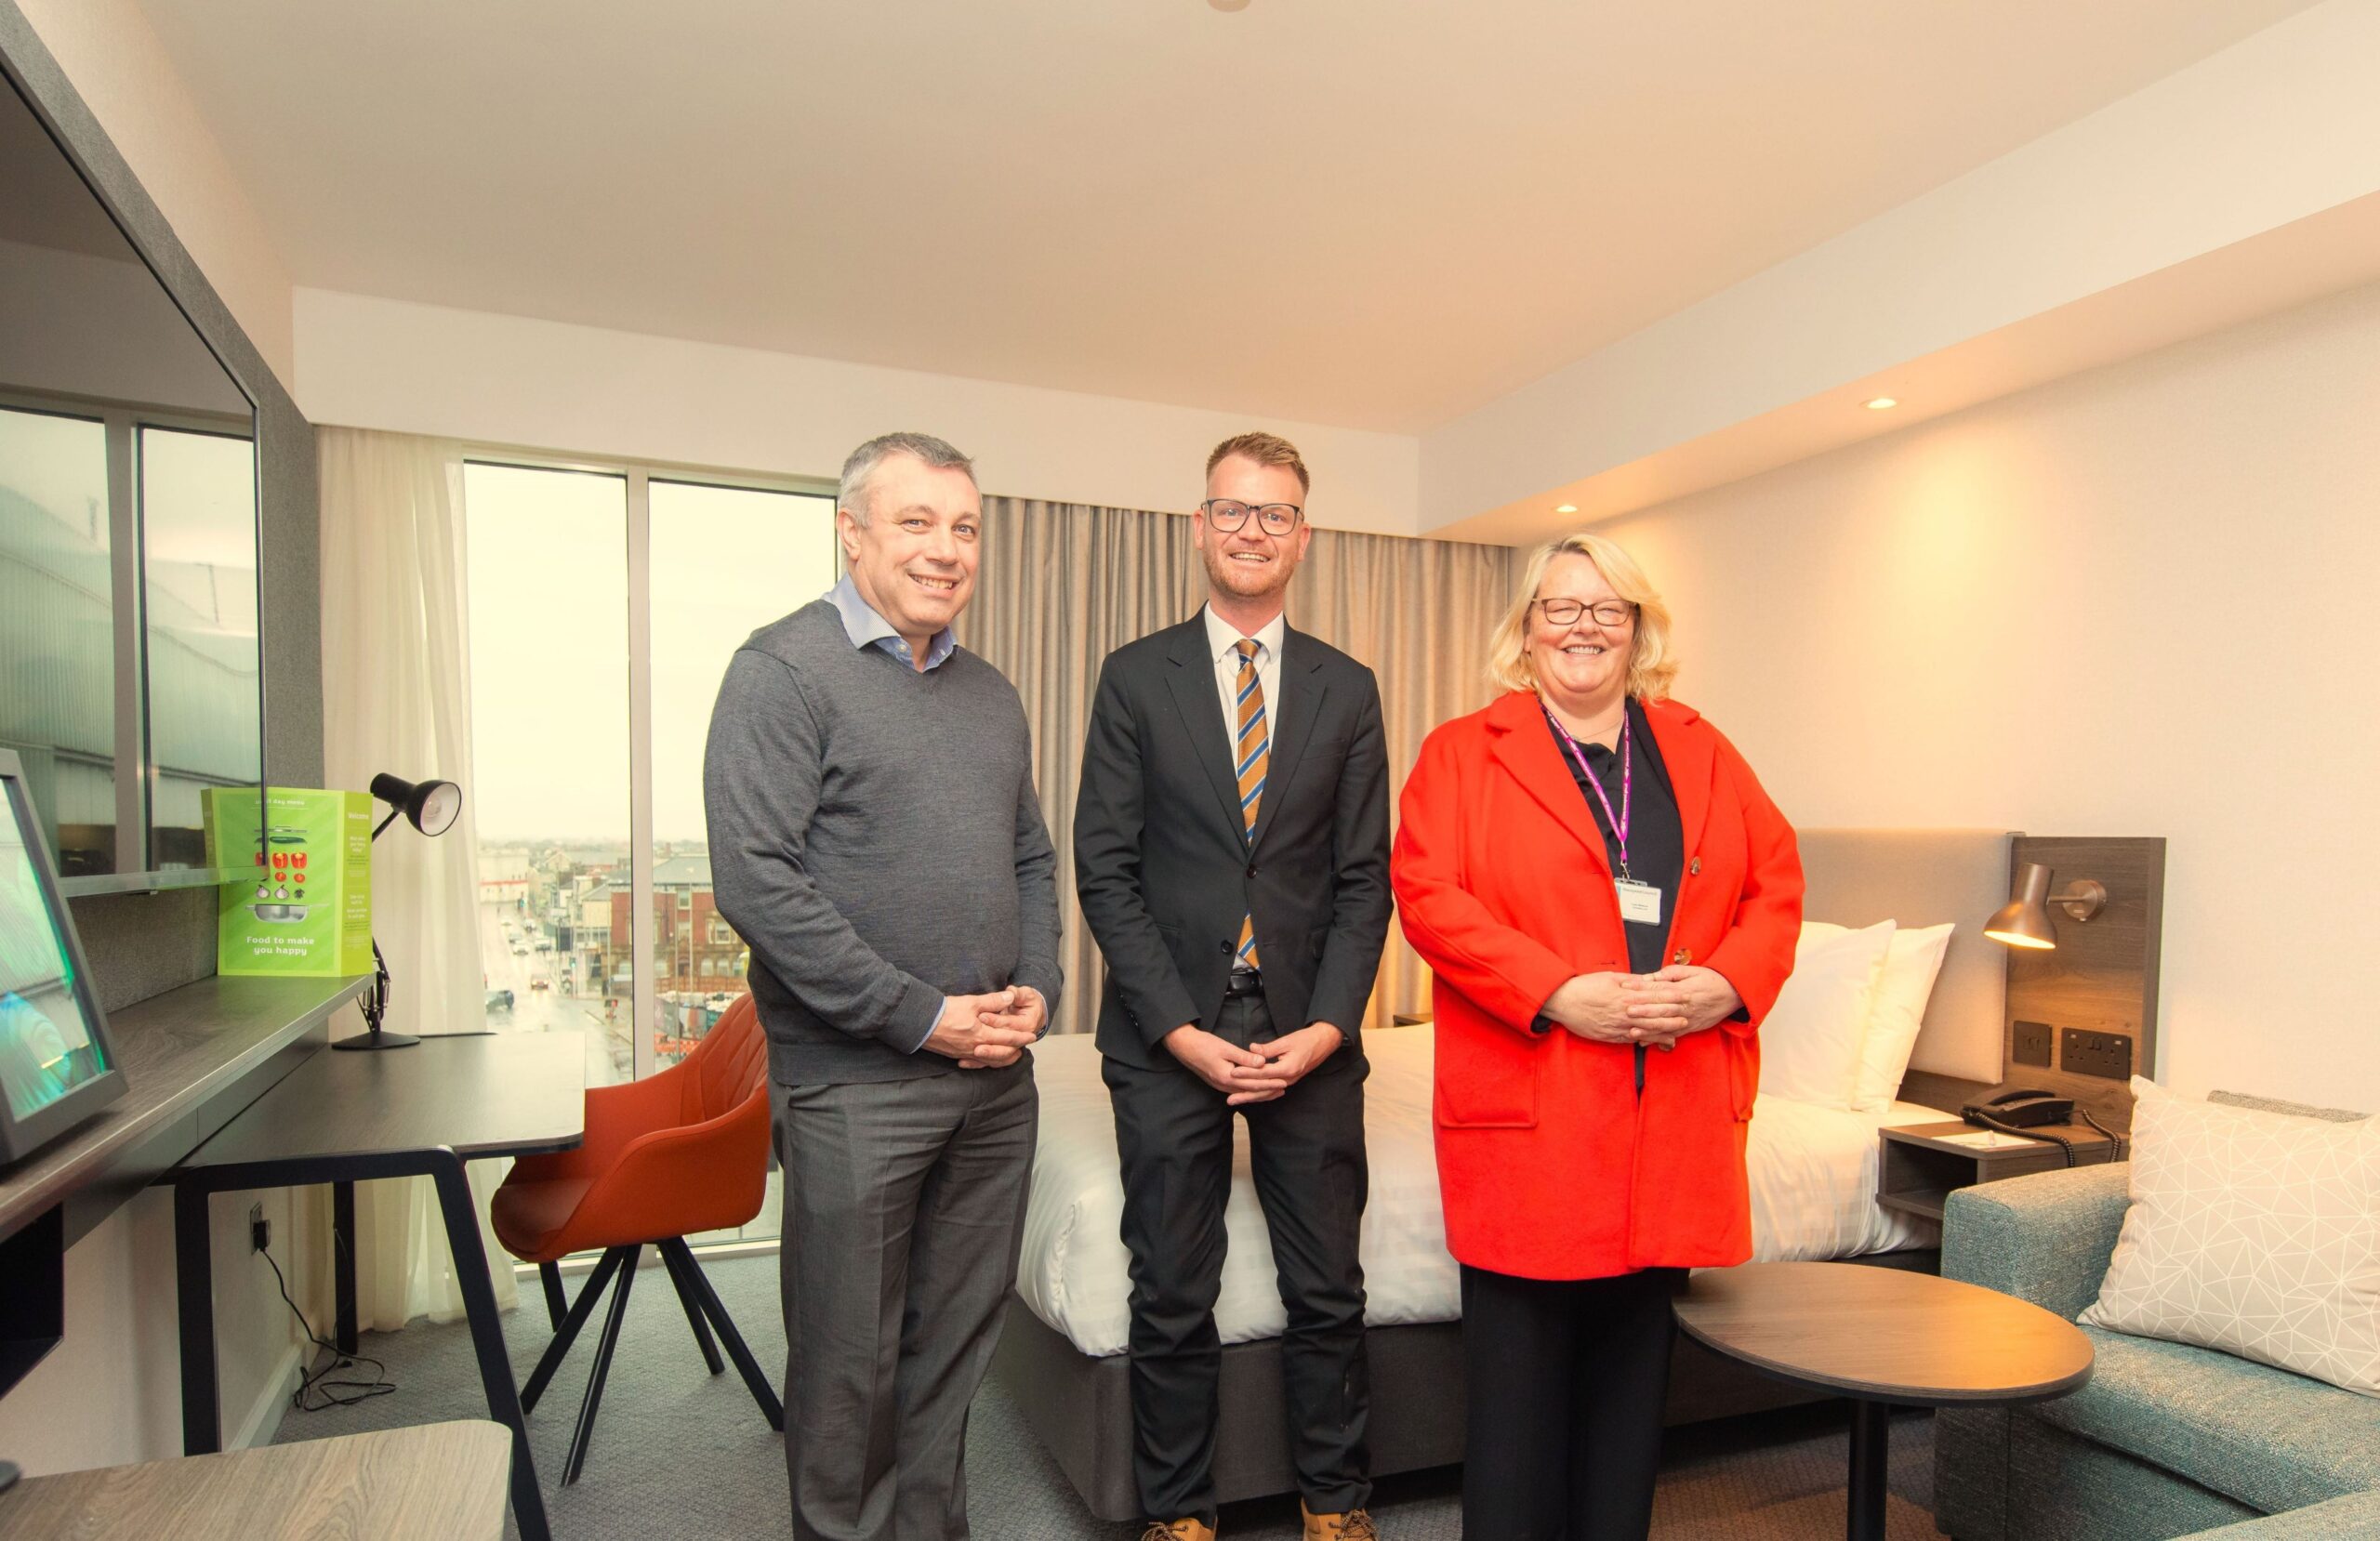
(307, 909)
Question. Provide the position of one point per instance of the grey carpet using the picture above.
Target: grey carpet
(677, 1453)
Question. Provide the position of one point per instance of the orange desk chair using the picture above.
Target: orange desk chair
(675, 1154)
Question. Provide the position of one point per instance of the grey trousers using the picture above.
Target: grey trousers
(904, 1211)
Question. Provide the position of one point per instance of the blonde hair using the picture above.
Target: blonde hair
(1265, 449)
(1650, 666)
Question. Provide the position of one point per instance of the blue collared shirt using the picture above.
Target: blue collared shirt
(865, 626)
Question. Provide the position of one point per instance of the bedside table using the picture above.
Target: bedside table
(1920, 1162)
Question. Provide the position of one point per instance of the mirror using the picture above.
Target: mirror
(130, 673)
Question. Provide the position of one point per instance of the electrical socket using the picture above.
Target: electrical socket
(2108, 1055)
(2031, 1045)
(259, 1229)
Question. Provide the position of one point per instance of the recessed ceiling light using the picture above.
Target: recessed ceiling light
(1566, 507)
(1883, 404)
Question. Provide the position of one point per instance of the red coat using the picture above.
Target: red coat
(1549, 1164)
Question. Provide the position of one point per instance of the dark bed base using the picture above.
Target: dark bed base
(1080, 1408)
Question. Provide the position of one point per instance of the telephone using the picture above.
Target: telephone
(2025, 1110)
(2018, 1107)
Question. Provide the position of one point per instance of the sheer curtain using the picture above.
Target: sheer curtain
(396, 697)
(1064, 585)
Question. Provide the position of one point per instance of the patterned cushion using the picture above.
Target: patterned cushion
(2254, 1233)
(2270, 1439)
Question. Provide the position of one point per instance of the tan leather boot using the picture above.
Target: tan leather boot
(1178, 1530)
(1353, 1525)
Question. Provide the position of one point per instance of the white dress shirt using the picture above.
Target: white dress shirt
(1222, 641)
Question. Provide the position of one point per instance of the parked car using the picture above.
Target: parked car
(545, 946)
(518, 951)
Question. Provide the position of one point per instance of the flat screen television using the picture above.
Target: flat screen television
(57, 1065)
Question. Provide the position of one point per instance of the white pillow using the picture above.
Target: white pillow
(1911, 966)
(2254, 1233)
(1811, 1040)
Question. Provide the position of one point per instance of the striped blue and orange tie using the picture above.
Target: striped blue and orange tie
(1253, 744)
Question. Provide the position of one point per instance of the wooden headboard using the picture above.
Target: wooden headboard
(1924, 877)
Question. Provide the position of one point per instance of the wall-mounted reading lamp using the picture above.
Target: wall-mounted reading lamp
(430, 807)
(2024, 920)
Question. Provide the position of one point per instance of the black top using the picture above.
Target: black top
(1164, 864)
(1655, 839)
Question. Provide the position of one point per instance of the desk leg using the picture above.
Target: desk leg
(487, 1340)
(1872, 1425)
(194, 1291)
(343, 1263)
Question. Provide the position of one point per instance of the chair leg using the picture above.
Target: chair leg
(557, 1307)
(604, 1347)
(694, 1317)
(580, 1309)
(763, 1392)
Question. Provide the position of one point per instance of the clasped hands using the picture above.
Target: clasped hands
(1259, 1073)
(986, 1032)
(1655, 1010)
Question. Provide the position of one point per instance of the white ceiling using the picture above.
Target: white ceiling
(1358, 212)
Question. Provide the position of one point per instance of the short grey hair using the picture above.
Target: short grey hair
(937, 454)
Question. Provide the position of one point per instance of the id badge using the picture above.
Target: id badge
(1639, 903)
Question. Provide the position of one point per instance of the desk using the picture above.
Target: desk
(443, 1478)
(1884, 1337)
(342, 1118)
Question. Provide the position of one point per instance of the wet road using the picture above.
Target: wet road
(608, 1047)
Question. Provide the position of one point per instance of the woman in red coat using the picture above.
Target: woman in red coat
(1609, 902)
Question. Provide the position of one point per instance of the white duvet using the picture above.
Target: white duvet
(1813, 1195)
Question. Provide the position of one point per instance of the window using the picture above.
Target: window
(198, 558)
(117, 761)
(58, 611)
(548, 602)
(725, 561)
(605, 605)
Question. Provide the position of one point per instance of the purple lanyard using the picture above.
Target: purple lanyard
(1627, 781)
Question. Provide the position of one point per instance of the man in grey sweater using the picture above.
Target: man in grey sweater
(875, 840)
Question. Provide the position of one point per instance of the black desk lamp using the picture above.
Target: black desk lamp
(430, 807)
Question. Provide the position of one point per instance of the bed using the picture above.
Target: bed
(1813, 1174)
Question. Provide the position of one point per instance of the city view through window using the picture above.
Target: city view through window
(553, 752)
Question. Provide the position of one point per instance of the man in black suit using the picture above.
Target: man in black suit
(1231, 851)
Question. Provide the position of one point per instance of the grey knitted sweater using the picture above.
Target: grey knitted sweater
(875, 840)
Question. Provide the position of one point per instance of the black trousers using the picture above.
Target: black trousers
(1566, 1379)
(1173, 1133)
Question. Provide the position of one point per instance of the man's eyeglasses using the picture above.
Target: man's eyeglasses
(1230, 515)
(1611, 613)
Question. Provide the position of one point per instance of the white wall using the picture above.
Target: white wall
(2140, 602)
(122, 73)
(379, 364)
(110, 1392)
(2279, 128)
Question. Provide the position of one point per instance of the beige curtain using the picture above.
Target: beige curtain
(396, 697)
(1065, 584)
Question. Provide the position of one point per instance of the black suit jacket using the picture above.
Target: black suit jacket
(1164, 870)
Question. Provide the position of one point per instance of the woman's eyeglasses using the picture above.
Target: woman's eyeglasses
(1612, 614)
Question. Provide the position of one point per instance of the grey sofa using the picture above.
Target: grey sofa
(2166, 1439)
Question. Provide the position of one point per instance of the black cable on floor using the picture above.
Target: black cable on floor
(316, 1390)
